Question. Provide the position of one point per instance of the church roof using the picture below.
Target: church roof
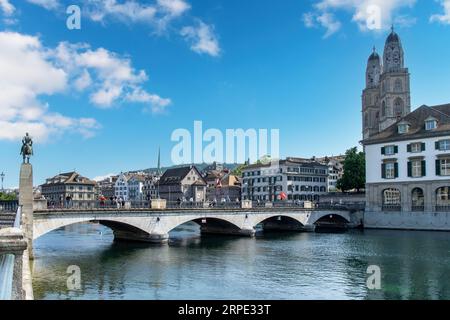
(393, 38)
(417, 130)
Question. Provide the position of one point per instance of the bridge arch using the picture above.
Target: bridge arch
(208, 224)
(341, 218)
(121, 227)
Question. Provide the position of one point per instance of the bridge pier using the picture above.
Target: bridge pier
(120, 235)
(227, 231)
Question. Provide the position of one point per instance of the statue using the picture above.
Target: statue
(27, 148)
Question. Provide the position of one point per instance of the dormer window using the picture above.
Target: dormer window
(430, 124)
(403, 127)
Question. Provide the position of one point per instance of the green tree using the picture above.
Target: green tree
(354, 171)
(7, 196)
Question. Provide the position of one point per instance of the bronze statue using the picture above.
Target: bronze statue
(27, 148)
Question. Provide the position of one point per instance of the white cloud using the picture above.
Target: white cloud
(371, 15)
(26, 74)
(202, 38)
(29, 72)
(115, 80)
(445, 17)
(47, 4)
(6, 7)
(158, 13)
(329, 22)
(158, 104)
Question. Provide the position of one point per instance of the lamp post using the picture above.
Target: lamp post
(2, 176)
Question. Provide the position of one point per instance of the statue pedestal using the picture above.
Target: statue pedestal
(26, 202)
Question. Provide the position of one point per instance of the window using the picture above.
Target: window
(398, 107)
(398, 87)
(416, 168)
(416, 147)
(391, 197)
(443, 145)
(403, 128)
(443, 196)
(430, 124)
(417, 199)
(389, 150)
(443, 167)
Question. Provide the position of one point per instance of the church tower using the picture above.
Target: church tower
(371, 96)
(387, 95)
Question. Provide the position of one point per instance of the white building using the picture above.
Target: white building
(121, 187)
(291, 179)
(136, 188)
(408, 172)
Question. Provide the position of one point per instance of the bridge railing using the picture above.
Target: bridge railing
(9, 205)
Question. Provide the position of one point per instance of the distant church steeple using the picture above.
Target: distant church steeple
(159, 161)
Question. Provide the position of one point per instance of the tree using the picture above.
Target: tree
(7, 196)
(354, 171)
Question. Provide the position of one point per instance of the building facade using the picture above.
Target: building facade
(335, 170)
(183, 184)
(387, 95)
(106, 187)
(69, 189)
(408, 184)
(151, 187)
(292, 179)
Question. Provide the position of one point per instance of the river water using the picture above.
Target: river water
(413, 265)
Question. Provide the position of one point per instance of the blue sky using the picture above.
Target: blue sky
(103, 99)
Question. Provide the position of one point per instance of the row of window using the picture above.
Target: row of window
(289, 169)
(392, 197)
(290, 189)
(417, 147)
(280, 178)
(415, 168)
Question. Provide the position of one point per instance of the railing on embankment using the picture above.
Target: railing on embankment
(9, 205)
(7, 263)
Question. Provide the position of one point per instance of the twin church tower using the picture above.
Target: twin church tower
(386, 97)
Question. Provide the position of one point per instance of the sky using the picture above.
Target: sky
(102, 99)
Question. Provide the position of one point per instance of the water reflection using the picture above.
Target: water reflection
(414, 265)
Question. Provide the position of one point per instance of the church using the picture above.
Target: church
(407, 153)
(386, 97)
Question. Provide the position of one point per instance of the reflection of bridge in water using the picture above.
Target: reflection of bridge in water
(154, 225)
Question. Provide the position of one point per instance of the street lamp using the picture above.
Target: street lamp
(2, 176)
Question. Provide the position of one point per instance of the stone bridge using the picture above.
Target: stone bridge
(154, 225)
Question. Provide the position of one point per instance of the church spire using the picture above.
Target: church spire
(159, 161)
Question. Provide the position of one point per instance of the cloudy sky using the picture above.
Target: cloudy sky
(102, 99)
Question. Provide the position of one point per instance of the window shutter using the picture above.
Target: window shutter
(408, 148)
(383, 171)
(436, 145)
(424, 168)
(423, 146)
(409, 169)
(396, 169)
(438, 167)
(383, 151)
(395, 149)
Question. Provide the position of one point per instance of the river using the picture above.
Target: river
(413, 265)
